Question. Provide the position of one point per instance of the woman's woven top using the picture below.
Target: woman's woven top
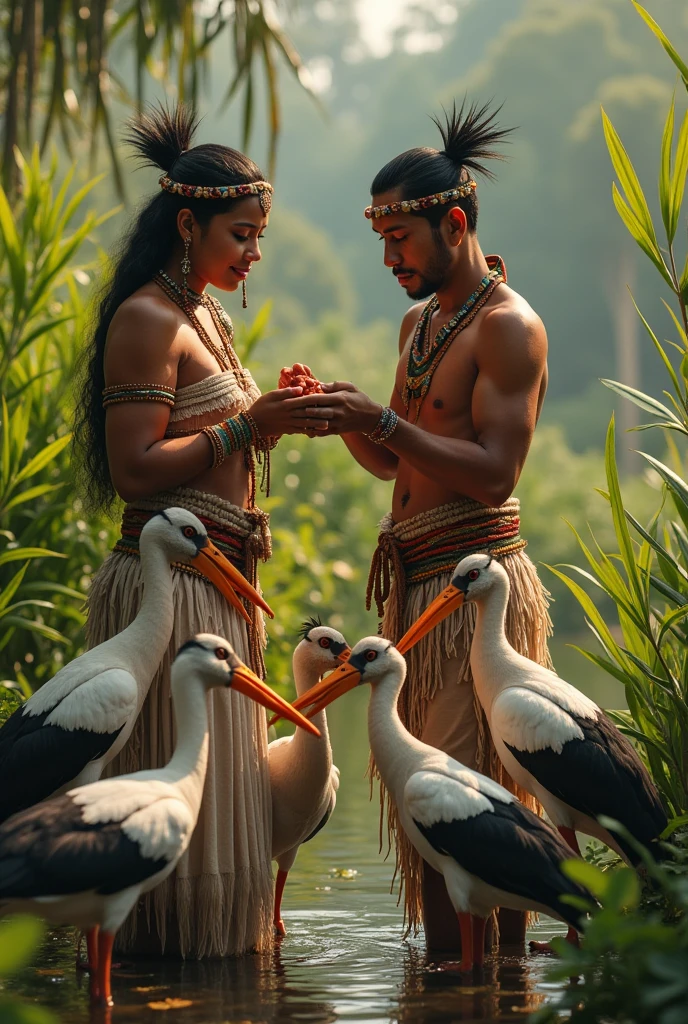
(223, 394)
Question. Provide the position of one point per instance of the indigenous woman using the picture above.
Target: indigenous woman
(168, 416)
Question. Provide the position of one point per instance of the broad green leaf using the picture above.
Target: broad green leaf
(10, 590)
(623, 889)
(17, 554)
(36, 627)
(664, 40)
(638, 232)
(19, 937)
(665, 204)
(678, 181)
(588, 875)
(645, 402)
(31, 494)
(14, 1012)
(43, 458)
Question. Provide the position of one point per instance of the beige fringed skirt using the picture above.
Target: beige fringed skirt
(413, 563)
(219, 900)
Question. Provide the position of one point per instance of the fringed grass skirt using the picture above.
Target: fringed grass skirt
(218, 902)
(412, 565)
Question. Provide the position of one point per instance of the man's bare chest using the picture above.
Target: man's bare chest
(450, 391)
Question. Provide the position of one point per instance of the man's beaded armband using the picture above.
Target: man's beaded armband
(137, 393)
(240, 433)
(385, 427)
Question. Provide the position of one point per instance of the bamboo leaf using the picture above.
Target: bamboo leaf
(620, 526)
(678, 181)
(639, 398)
(664, 40)
(588, 607)
(43, 457)
(17, 554)
(644, 240)
(36, 627)
(674, 482)
(665, 189)
(627, 177)
(671, 619)
(12, 587)
(30, 494)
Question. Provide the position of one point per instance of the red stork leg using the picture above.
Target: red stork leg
(280, 930)
(466, 926)
(92, 962)
(479, 925)
(103, 994)
(569, 837)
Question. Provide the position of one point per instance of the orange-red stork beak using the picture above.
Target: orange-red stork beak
(444, 604)
(228, 580)
(343, 679)
(247, 682)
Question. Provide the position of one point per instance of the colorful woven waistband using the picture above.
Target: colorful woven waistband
(439, 550)
(232, 546)
(432, 543)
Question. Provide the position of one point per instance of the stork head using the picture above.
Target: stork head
(370, 661)
(321, 649)
(474, 577)
(184, 538)
(214, 662)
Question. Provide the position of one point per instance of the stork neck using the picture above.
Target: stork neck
(390, 741)
(187, 767)
(149, 634)
(305, 678)
(490, 647)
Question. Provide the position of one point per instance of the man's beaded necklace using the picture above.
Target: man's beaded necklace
(426, 353)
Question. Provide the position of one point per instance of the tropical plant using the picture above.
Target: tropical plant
(19, 938)
(647, 577)
(41, 318)
(58, 63)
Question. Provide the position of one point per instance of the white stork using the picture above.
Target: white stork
(303, 779)
(67, 732)
(553, 740)
(86, 857)
(491, 850)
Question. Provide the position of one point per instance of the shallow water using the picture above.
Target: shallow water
(343, 958)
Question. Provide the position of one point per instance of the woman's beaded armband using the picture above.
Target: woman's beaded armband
(385, 427)
(137, 393)
(240, 433)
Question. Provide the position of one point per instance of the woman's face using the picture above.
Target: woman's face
(224, 249)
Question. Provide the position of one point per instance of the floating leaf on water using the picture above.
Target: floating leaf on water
(49, 971)
(149, 988)
(171, 1004)
(347, 873)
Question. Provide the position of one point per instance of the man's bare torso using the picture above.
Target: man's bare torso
(448, 407)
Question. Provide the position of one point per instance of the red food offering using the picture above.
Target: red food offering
(299, 375)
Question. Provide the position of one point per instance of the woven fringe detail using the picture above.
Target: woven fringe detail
(221, 892)
(528, 625)
(220, 393)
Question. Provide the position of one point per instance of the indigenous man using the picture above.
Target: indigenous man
(469, 388)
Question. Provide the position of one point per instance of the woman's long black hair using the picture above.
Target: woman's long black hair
(470, 135)
(162, 138)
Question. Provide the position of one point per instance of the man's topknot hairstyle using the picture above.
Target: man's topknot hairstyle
(470, 135)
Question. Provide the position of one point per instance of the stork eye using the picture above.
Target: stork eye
(473, 574)
(189, 531)
(324, 641)
(370, 655)
(220, 652)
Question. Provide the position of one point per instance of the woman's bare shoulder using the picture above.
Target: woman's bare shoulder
(143, 333)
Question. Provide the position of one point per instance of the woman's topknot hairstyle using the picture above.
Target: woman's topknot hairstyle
(470, 135)
(160, 136)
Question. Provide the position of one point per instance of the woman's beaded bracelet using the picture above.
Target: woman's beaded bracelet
(385, 427)
(117, 393)
(234, 435)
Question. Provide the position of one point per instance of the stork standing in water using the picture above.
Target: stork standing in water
(303, 779)
(553, 740)
(491, 850)
(67, 732)
(86, 857)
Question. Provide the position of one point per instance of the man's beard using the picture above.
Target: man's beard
(435, 274)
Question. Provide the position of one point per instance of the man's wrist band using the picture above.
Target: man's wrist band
(385, 427)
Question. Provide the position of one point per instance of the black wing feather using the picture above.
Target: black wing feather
(48, 850)
(513, 850)
(40, 759)
(601, 774)
(323, 821)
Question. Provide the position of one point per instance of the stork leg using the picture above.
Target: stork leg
(280, 930)
(479, 925)
(103, 994)
(92, 962)
(571, 840)
(467, 952)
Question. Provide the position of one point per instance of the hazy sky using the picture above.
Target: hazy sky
(379, 18)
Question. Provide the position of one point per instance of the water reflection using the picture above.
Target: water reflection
(343, 958)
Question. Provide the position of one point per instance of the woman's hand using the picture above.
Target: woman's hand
(342, 407)
(282, 412)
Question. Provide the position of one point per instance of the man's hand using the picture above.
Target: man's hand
(346, 409)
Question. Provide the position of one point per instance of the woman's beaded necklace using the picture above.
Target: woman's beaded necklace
(427, 352)
(188, 301)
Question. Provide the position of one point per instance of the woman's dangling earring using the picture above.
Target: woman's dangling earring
(244, 300)
(186, 263)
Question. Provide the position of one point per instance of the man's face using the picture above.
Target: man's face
(419, 256)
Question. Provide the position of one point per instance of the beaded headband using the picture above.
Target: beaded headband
(409, 205)
(262, 189)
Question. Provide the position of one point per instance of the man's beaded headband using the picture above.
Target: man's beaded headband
(409, 205)
(262, 189)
